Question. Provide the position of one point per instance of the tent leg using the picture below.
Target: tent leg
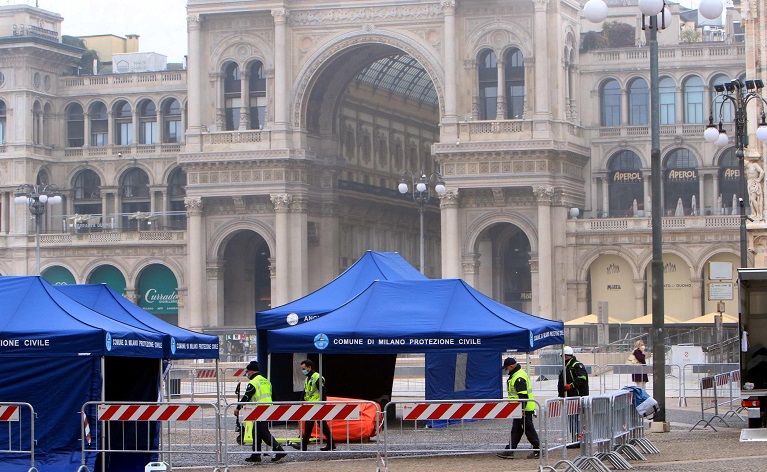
(103, 423)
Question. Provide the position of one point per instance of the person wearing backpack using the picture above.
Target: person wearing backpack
(314, 391)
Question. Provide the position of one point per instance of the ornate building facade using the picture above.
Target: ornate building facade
(271, 163)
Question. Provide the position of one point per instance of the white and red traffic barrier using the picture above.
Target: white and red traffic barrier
(300, 412)
(464, 411)
(9, 413)
(139, 412)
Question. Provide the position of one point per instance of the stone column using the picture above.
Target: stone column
(470, 66)
(701, 203)
(451, 237)
(86, 129)
(110, 129)
(216, 81)
(299, 247)
(448, 10)
(541, 34)
(196, 281)
(5, 206)
(471, 265)
(580, 303)
(244, 100)
(544, 195)
(605, 196)
(535, 285)
(329, 233)
(646, 190)
(486, 261)
(697, 294)
(500, 111)
(194, 79)
(679, 105)
(136, 131)
(640, 285)
(215, 287)
(280, 68)
(158, 138)
(715, 199)
(281, 287)
(625, 111)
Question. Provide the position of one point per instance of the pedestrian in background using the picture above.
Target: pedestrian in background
(639, 355)
(519, 387)
(314, 391)
(259, 390)
(573, 382)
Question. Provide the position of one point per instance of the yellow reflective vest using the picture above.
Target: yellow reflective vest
(514, 395)
(263, 389)
(312, 388)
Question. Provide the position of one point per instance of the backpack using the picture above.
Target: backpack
(643, 402)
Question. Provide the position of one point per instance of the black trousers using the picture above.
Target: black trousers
(524, 426)
(308, 427)
(262, 434)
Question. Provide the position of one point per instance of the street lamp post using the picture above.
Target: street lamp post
(421, 187)
(738, 95)
(37, 198)
(655, 16)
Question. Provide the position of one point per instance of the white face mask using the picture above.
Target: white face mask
(305, 372)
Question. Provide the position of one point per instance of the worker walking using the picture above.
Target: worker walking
(259, 390)
(519, 387)
(314, 391)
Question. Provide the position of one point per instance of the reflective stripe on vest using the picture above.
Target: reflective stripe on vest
(514, 395)
(263, 387)
(311, 389)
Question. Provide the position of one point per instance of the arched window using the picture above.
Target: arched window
(729, 182)
(626, 186)
(639, 102)
(680, 183)
(722, 111)
(257, 80)
(37, 119)
(87, 193)
(667, 90)
(488, 85)
(610, 98)
(99, 124)
(693, 100)
(171, 121)
(75, 125)
(135, 198)
(232, 97)
(123, 128)
(515, 84)
(3, 115)
(176, 194)
(147, 119)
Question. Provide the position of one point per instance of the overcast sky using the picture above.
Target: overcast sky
(161, 24)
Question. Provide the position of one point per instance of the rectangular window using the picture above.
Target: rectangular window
(148, 132)
(124, 135)
(75, 131)
(172, 132)
(99, 139)
(488, 103)
(693, 107)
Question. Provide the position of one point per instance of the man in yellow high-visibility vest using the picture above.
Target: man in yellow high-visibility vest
(259, 390)
(519, 387)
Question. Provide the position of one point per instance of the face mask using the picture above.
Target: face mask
(305, 372)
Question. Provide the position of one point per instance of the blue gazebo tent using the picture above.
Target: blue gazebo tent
(178, 343)
(54, 353)
(371, 266)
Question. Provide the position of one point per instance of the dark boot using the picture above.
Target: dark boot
(253, 458)
(331, 446)
(280, 453)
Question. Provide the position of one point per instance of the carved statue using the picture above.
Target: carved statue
(755, 176)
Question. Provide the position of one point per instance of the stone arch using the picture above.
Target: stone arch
(224, 233)
(70, 178)
(227, 51)
(479, 40)
(711, 252)
(132, 277)
(587, 260)
(618, 147)
(92, 265)
(644, 261)
(490, 219)
(133, 164)
(315, 65)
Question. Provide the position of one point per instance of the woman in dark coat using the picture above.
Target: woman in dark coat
(640, 379)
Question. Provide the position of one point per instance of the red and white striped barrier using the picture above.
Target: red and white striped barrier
(146, 412)
(240, 373)
(301, 412)
(465, 411)
(205, 373)
(572, 407)
(722, 379)
(9, 413)
(735, 374)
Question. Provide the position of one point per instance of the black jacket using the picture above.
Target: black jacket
(577, 377)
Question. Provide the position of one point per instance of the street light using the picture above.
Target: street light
(738, 94)
(37, 197)
(421, 187)
(655, 16)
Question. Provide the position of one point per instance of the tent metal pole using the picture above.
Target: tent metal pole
(102, 433)
(220, 444)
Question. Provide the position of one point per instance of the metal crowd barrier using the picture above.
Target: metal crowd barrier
(734, 392)
(562, 432)
(692, 373)
(286, 425)
(708, 395)
(473, 424)
(12, 413)
(187, 431)
(546, 377)
(232, 375)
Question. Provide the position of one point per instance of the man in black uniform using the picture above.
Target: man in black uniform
(575, 383)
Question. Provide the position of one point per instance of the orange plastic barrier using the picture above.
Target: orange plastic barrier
(352, 430)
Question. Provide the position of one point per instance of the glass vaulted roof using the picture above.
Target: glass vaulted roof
(400, 74)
